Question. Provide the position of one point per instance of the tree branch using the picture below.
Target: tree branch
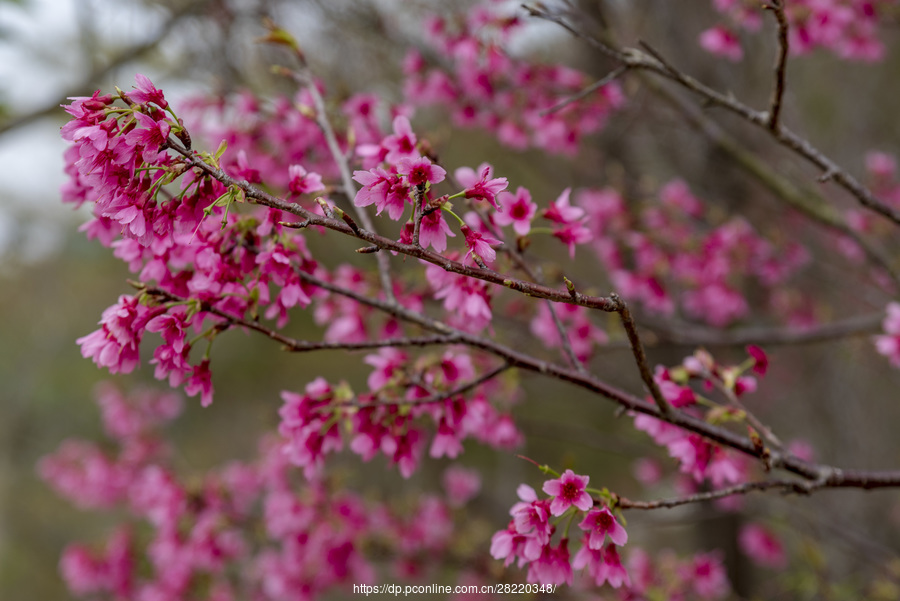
(653, 61)
(777, 7)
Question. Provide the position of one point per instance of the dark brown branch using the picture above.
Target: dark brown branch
(795, 486)
(654, 62)
(777, 7)
(640, 357)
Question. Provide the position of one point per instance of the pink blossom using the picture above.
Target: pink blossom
(568, 490)
(762, 546)
(302, 181)
(553, 566)
(480, 244)
(760, 361)
(116, 345)
(145, 91)
(461, 484)
(889, 343)
(434, 231)
(723, 42)
(517, 210)
(599, 523)
(420, 171)
(201, 381)
(571, 234)
(603, 566)
(560, 211)
(402, 143)
(481, 186)
(386, 190)
(707, 576)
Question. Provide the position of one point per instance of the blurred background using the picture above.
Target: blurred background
(838, 395)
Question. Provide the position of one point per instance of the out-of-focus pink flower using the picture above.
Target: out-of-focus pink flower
(762, 546)
(461, 484)
(722, 42)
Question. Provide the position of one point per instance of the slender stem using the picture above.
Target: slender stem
(640, 357)
(384, 267)
(796, 486)
(611, 76)
(777, 7)
(733, 399)
(434, 398)
(861, 325)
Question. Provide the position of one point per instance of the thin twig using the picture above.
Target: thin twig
(795, 486)
(733, 399)
(384, 266)
(611, 76)
(640, 357)
(429, 400)
(777, 7)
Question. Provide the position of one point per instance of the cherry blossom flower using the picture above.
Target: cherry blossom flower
(568, 490)
(481, 186)
(383, 189)
(302, 181)
(762, 546)
(517, 210)
(402, 143)
(599, 523)
(723, 42)
(480, 244)
(888, 344)
(760, 361)
(461, 484)
(145, 91)
(420, 171)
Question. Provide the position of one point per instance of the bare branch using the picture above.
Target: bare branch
(777, 7)
(612, 76)
(384, 265)
(795, 486)
(640, 357)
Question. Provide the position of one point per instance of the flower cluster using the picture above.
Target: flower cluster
(697, 457)
(510, 98)
(404, 395)
(670, 254)
(528, 535)
(241, 531)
